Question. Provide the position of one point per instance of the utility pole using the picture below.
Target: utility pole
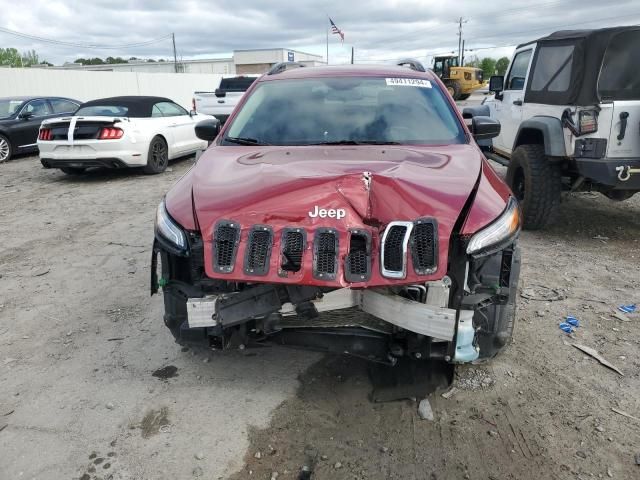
(175, 55)
(352, 55)
(462, 60)
(460, 53)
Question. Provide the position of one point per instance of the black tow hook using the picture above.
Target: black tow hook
(623, 124)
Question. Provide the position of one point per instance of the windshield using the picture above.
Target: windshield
(346, 110)
(619, 79)
(9, 106)
(103, 111)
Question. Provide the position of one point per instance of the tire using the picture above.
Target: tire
(73, 170)
(464, 96)
(454, 89)
(158, 156)
(536, 183)
(5, 149)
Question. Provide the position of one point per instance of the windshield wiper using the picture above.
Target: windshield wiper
(244, 141)
(357, 142)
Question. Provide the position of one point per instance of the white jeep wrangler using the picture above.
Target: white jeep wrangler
(569, 107)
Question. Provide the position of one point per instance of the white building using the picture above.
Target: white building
(242, 62)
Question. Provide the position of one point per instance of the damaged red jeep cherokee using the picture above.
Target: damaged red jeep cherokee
(344, 209)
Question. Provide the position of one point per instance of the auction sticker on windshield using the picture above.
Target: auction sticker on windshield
(409, 82)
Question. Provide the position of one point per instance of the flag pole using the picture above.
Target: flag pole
(327, 32)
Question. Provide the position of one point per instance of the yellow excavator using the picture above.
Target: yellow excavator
(461, 82)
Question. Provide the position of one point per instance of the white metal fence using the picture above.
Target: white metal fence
(86, 86)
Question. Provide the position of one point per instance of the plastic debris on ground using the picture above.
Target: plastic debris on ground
(628, 308)
(573, 321)
(566, 328)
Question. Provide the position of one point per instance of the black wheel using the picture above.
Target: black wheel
(464, 96)
(454, 89)
(73, 170)
(5, 149)
(158, 157)
(536, 183)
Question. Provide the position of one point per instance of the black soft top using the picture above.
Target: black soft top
(590, 47)
(138, 106)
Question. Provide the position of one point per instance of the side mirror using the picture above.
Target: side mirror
(25, 116)
(477, 111)
(496, 84)
(484, 128)
(192, 113)
(208, 129)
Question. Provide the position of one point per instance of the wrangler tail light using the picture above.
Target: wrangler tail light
(45, 134)
(588, 121)
(110, 133)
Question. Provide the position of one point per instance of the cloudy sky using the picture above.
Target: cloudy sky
(380, 31)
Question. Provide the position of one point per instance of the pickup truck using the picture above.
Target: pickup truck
(221, 102)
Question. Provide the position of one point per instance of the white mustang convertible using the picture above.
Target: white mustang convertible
(120, 132)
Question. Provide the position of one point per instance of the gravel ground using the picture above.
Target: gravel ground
(80, 341)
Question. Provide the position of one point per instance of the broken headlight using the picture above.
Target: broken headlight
(498, 234)
(168, 229)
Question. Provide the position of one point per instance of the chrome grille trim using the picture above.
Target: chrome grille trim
(384, 250)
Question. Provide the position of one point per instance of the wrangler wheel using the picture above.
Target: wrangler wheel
(158, 157)
(536, 183)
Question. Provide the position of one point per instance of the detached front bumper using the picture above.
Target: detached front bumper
(618, 173)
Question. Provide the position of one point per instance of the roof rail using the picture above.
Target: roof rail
(283, 66)
(412, 64)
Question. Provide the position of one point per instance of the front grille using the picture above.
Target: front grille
(394, 249)
(225, 245)
(293, 243)
(424, 250)
(325, 254)
(258, 250)
(358, 263)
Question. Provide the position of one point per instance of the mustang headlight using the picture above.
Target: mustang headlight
(498, 234)
(168, 229)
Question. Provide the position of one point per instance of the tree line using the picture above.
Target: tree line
(112, 60)
(489, 66)
(11, 57)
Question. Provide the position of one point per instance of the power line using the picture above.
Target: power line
(82, 45)
(492, 15)
(550, 28)
(512, 34)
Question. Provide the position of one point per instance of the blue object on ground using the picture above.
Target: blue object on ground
(573, 321)
(566, 328)
(628, 308)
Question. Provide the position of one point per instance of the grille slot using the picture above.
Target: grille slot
(325, 250)
(358, 262)
(258, 250)
(394, 249)
(225, 246)
(424, 244)
(293, 244)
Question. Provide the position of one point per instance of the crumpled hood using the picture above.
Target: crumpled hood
(309, 188)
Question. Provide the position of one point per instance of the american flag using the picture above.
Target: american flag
(336, 31)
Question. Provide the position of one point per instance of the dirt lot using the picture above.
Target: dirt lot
(80, 340)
